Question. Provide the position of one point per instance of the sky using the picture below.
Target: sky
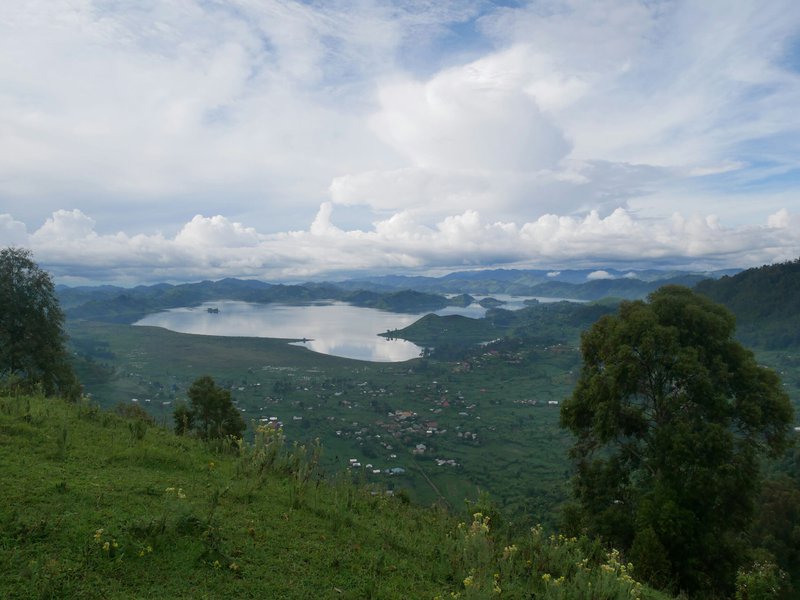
(180, 140)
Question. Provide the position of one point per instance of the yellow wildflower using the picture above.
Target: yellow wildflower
(509, 551)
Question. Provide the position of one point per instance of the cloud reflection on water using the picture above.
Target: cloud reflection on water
(333, 328)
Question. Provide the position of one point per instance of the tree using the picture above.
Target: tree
(32, 338)
(671, 416)
(211, 413)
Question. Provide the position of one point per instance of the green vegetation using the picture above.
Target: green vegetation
(321, 481)
(551, 323)
(672, 417)
(211, 413)
(486, 421)
(32, 341)
(766, 302)
(101, 506)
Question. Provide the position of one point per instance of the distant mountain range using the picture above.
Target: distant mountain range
(765, 300)
(579, 284)
(389, 292)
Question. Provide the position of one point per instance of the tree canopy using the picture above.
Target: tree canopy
(671, 416)
(211, 413)
(32, 339)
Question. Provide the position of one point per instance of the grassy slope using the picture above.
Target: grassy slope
(181, 521)
(58, 497)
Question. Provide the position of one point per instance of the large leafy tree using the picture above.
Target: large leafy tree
(32, 339)
(671, 417)
(211, 412)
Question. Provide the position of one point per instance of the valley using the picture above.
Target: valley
(465, 418)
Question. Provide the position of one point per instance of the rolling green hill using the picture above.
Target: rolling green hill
(98, 505)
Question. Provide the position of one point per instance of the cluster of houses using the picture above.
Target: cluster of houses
(354, 463)
(533, 402)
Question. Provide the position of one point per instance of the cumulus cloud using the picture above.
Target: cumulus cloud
(12, 233)
(601, 274)
(216, 247)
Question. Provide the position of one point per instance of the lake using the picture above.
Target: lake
(334, 328)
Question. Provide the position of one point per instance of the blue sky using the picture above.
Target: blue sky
(283, 140)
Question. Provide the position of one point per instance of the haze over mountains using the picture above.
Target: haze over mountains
(389, 292)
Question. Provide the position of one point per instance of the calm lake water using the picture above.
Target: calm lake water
(333, 328)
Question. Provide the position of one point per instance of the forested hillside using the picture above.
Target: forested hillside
(766, 302)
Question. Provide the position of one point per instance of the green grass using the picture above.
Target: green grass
(96, 506)
(341, 542)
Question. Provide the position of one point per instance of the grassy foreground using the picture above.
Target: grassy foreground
(101, 506)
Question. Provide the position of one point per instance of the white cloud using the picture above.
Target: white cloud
(216, 232)
(66, 225)
(595, 275)
(216, 247)
(12, 233)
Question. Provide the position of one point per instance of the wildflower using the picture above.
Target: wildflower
(181, 495)
(97, 535)
(509, 551)
(216, 564)
(106, 547)
(546, 577)
(468, 581)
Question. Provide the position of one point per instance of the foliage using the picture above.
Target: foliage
(766, 302)
(182, 418)
(32, 340)
(763, 580)
(672, 416)
(776, 527)
(536, 565)
(212, 414)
